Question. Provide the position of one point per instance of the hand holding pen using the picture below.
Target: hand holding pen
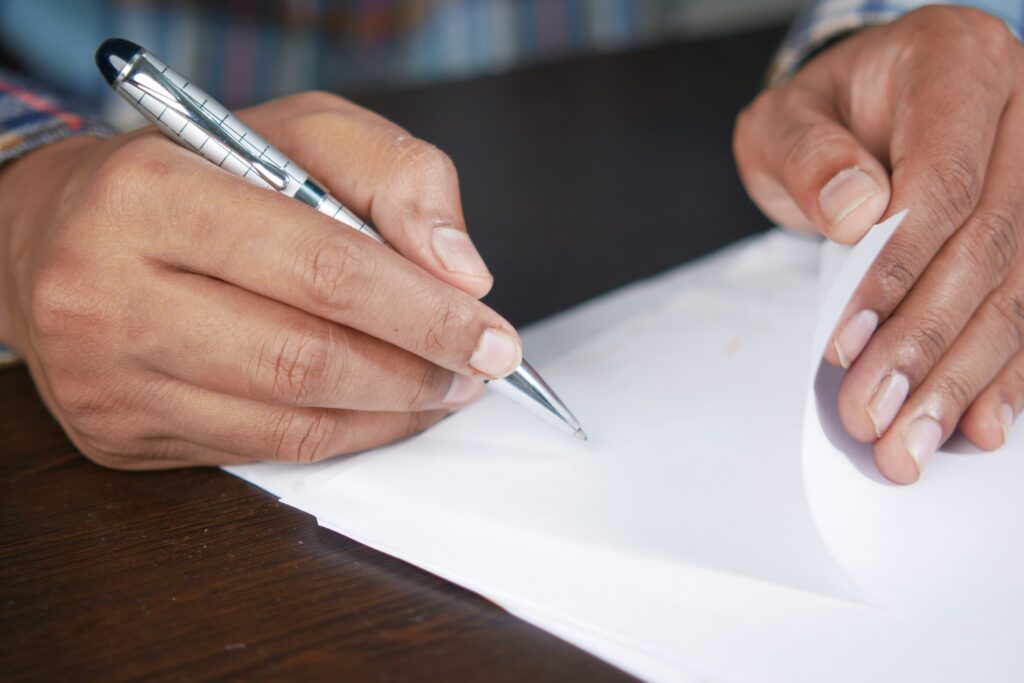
(184, 317)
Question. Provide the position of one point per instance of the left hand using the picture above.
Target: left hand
(925, 113)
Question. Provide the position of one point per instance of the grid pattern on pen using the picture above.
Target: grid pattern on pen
(192, 136)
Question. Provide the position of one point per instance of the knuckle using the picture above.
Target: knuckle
(804, 145)
(413, 165)
(1008, 306)
(955, 389)
(994, 33)
(956, 185)
(896, 271)
(302, 436)
(983, 42)
(415, 159)
(809, 146)
(137, 166)
(297, 364)
(62, 301)
(928, 340)
(331, 269)
(951, 19)
(993, 242)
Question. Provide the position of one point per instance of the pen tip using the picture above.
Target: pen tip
(580, 434)
(112, 55)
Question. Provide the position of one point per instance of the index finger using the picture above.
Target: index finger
(406, 187)
(215, 224)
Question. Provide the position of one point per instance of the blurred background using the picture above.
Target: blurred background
(592, 137)
(246, 51)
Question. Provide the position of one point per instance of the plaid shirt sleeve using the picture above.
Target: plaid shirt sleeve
(30, 118)
(823, 21)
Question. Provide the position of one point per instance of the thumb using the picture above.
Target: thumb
(805, 169)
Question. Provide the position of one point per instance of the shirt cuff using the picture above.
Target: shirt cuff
(821, 23)
(31, 117)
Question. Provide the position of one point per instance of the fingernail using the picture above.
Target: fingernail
(887, 401)
(496, 354)
(457, 253)
(463, 390)
(854, 336)
(922, 440)
(1006, 420)
(847, 190)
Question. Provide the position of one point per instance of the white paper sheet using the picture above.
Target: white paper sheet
(956, 533)
(694, 419)
(679, 543)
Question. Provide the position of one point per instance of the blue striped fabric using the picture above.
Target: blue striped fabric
(30, 117)
(343, 45)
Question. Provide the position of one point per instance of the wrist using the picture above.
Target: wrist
(29, 190)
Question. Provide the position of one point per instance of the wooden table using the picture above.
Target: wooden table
(577, 178)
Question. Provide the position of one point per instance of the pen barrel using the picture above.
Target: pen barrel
(196, 121)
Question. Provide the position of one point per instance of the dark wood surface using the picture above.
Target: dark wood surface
(577, 178)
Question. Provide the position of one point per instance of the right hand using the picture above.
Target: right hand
(173, 315)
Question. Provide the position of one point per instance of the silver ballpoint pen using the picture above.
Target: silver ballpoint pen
(196, 121)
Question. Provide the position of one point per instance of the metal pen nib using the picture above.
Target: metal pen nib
(526, 388)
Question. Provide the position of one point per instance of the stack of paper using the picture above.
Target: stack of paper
(716, 526)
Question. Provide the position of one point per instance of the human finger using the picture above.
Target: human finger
(405, 186)
(939, 150)
(252, 347)
(972, 264)
(271, 245)
(262, 432)
(990, 419)
(803, 166)
(934, 409)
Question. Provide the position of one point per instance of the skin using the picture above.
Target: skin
(930, 107)
(166, 326)
(174, 316)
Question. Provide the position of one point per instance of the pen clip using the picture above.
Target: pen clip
(157, 85)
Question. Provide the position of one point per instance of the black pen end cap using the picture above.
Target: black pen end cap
(113, 54)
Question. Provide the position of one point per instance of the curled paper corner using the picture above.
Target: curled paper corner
(889, 538)
(831, 459)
